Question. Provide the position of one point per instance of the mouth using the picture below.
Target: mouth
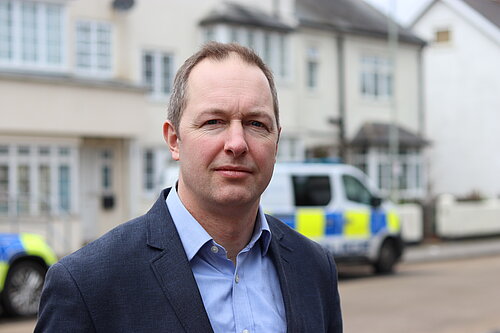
(231, 171)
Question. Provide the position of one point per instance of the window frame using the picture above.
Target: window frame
(93, 48)
(158, 81)
(13, 40)
(376, 77)
(36, 202)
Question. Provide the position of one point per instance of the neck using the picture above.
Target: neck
(231, 227)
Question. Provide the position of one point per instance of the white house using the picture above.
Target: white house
(462, 79)
(84, 86)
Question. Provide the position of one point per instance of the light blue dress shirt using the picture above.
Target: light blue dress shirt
(245, 298)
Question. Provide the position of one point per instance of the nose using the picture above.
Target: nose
(236, 143)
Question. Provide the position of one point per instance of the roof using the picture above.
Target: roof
(349, 16)
(228, 12)
(490, 9)
(378, 134)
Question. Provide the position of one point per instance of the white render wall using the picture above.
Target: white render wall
(360, 109)
(462, 104)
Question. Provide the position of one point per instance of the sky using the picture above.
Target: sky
(405, 9)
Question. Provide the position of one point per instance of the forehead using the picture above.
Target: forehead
(228, 79)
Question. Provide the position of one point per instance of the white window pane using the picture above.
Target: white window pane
(167, 74)
(23, 189)
(158, 72)
(147, 70)
(64, 188)
(29, 32)
(83, 45)
(44, 188)
(54, 34)
(149, 170)
(94, 47)
(5, 30)
(4, 189)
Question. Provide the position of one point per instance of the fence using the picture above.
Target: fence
(467, 219)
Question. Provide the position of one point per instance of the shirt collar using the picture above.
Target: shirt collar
(193, 236)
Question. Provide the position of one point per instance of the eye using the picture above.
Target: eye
(212, 122)
(256, 123)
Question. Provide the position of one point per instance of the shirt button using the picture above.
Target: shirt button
(214, 249)
(245, 331)
(237, 279)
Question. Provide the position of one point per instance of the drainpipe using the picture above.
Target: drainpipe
(340, 121)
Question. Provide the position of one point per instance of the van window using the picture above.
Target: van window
(355, 190)
(312, 190)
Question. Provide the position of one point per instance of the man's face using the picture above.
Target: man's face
(228, 137)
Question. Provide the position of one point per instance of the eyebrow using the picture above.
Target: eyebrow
(249, 114)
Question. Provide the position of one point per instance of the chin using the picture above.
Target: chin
(235, 198)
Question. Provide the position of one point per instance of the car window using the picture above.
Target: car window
(312, 190)
(355, 190)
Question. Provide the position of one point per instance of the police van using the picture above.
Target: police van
(336, 205)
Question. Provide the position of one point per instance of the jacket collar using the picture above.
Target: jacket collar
(172, 269)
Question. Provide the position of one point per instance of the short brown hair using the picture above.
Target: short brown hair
(216, 51)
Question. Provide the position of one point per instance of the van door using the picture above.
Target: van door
(312, 194)
(357, 208)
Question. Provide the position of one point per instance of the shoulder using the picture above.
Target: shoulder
(110, 254)
(292, 237)
(303, 250)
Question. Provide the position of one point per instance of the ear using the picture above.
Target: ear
(172, 139)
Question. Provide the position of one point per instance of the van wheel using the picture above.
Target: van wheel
(23, 288)
(387, 258)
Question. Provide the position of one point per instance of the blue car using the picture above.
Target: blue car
(24, 260)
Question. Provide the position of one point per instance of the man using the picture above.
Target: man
(204, 258)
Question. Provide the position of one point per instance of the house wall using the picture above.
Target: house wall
(307, 110)
(360, 109)
(113, 112)
(462, 103)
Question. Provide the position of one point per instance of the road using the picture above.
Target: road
(458, 296)
(455, 296)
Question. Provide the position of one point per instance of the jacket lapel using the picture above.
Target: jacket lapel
(171, 268)
(281, 254)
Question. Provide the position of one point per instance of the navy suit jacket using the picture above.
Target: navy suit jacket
(137, 278)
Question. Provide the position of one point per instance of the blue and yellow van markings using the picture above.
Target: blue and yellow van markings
(315, 223)
(15, 245)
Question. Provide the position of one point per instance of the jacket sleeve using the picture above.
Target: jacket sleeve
(335, 325)
(62, 307)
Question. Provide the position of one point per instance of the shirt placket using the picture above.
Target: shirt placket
(242, 310)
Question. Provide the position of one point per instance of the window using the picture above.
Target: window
(31, 34)
(209, 34)
(23, 189)
(44, 188)
(4, 189)
(107, 171)
(376, 77)
(234, 35)
(312, 190)
(355, 191)
(272, 46)
(442, 36)
(149, 170)
(93, 47)
(377, 163)
(37, 179)
(64, 188)
(158, 72)
(312, 68)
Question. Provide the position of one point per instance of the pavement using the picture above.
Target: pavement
(436, 250)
